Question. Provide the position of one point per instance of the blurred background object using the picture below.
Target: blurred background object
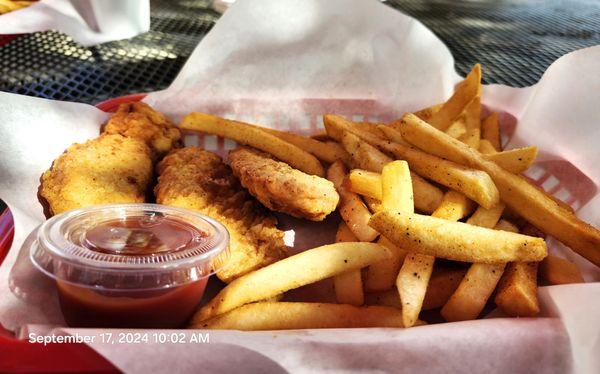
(514, 40)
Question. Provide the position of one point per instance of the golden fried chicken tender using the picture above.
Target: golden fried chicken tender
(196, 179)
(138, 120)
(108, 169)
(282, 188)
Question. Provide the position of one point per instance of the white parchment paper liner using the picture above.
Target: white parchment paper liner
(271, 63)
(88, 22)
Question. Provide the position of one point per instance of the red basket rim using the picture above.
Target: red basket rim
(20, 355)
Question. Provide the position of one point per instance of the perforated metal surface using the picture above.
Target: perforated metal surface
(514, 40)
(52, 65)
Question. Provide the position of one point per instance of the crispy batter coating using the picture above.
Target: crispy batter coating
(108, 169)
(196, 179)
(138, 120)
(283, 188)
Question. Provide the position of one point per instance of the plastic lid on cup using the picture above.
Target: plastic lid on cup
(130, 246)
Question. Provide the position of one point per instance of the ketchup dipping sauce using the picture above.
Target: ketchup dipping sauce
(130, 265)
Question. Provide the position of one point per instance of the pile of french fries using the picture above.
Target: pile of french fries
(435, 216)
(12, 5)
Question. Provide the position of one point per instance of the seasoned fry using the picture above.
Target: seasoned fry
(382, 275)
(348, 286)
(477, 286)
(257, 138)
(486, 147)
(396, 188)
(475, 289)
(293, 316)
(472, 115)
(516, 192)
(364, 155)
(454, 206)
(329, 152)
(466, 91)
(394, 135)
(426, 113)
(473, 183)
(366, 183)
(373, 204)
(427, 197)
(517, 291)
(442, 285)
(397, 196)
(293, 272)
(486, 217)
(353, 211)
(417, 268)
(455, 240)
(456, 129)
(515, 160)
(556, 270)
(412, 285)
(490, 130)
(505, 225)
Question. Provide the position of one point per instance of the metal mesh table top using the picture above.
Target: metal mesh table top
(514, 40)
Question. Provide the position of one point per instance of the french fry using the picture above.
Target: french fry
(477, 286)
(371, 127)
(455, 240)
(515, 160)
(465, 92)
(456, 129)
(427, 197)
(296, 271)
(426, 113)
(328, 152)
(472, 115)
(412, 285)
(473, 292)
(321, 136)
(442, 285)
(556, 270)
(366, 183)
(382, 275)
(505, 225)
(373, 204)
(353, 211)
(363, 155)
(294, 316)
(486, 147)
(454, 206)
(396, 196)
(417, 268)
(525, 199)
(396, 188)
(490, 130)
(257, 138)
(473, 183)
(394, 135)
(348, 286)
(388, 298)
(486, 217)
(517, 291)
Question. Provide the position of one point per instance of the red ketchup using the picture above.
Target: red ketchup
(130, 265)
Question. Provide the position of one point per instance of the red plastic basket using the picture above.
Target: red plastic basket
(21, 356)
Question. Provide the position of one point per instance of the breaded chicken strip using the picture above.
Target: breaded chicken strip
(283, 188)
(140, 121)
(196, 179)
(108, 169)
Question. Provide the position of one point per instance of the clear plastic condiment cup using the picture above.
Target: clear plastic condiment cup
(130, 265)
